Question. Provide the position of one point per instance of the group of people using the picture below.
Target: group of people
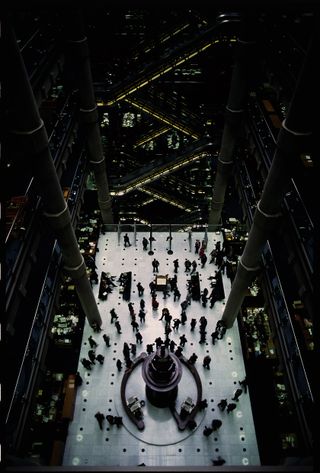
(129, 349)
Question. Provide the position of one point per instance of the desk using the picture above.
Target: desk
(161, 282)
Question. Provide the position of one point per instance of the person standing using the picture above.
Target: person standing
(126, 240)
(183, 340)
(145, 243)
(155, 265)
(244, 384)
(207, 431)
(78, 379)
(206, 362)
(100, 418)
(176, 265)
(193, 323)
(222, 404)
(140, 289)
(142, 316)
(216, 424)
(231, 406)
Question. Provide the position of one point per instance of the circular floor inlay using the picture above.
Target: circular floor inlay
(160, 426)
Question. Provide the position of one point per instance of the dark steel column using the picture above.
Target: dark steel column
(293, 139)
(30, 136)
(233, 121)
(79, 55)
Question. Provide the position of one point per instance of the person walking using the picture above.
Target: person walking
(106, 338)
(92, 342)
(194, 265)
(92, 356)
(86, 363)
(126, 350)
(214, 337)
(187, 265)
(113, 315)
(176, 294)
(118, 326)
(203, 260)
(133, 349)
(119, 364)
(135, 326)
(237, 394)
(100, 418)
(176, 265)
(100, 358)
(138, 337)
(142, 304)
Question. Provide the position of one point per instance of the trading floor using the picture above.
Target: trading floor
(161, 443)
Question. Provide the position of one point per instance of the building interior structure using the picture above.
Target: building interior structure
(117, 122)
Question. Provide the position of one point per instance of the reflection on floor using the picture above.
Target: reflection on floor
(161, 443)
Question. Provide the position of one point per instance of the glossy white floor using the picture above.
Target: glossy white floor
(161, 443)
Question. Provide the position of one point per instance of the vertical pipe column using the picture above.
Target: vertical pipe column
(233, 121)
(170, 240)
(135, 233)
(30, 136)
(150, 252)
(293, 139)
(79, 54)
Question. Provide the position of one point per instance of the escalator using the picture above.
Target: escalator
(169, 59)
(160, 167)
